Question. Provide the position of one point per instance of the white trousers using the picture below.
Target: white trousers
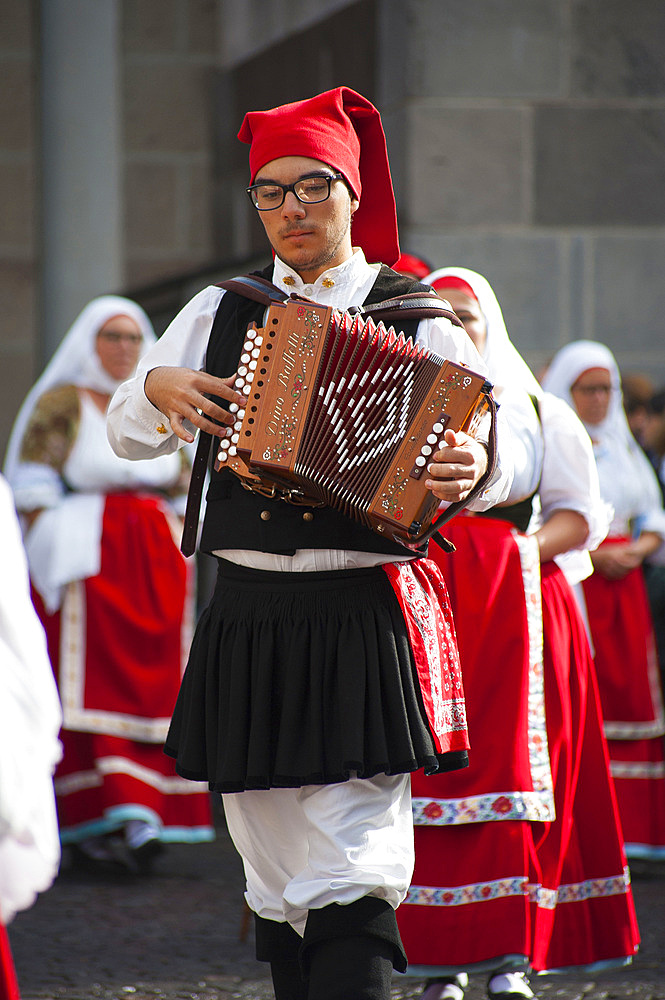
(303, 848)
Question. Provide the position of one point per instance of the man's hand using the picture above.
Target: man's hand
(456, 467)
(183, 394)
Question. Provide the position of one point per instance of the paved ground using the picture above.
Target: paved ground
(180, 934)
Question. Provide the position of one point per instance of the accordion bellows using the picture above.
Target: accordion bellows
(344, 412)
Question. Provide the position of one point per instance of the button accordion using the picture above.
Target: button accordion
(344, 412)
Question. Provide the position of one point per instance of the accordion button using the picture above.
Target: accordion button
(265, 515)
(308, 516)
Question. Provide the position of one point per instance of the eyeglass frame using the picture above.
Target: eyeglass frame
(592, 390)
(119, 337)
(292, 187)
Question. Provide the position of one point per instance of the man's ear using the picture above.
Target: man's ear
(354, 205)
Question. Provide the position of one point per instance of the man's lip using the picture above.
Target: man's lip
(297, 234)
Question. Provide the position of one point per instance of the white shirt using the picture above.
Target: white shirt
(137, 429)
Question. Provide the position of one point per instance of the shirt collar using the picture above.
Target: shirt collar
(346, 273)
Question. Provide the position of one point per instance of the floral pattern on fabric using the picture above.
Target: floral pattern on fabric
(536, 806)
(423, 598)
(530, 806)
(480, 892)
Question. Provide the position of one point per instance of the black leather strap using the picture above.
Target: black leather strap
(192, 510)
(254, 287)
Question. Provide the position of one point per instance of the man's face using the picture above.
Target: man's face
(309, 238)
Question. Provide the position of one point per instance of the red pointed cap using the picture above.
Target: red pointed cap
(344, 130)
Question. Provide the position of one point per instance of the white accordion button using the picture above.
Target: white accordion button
(420, 461)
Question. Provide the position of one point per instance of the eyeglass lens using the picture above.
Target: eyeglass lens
(115, 336)
(309, 190)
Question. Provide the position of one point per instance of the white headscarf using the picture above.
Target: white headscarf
(555, 448)
(506, 365)
(566, 367)
(626, 476)
(76, 362)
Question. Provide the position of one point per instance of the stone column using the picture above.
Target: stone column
(80, 159)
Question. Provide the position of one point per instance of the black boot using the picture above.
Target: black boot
(279, 944)
(349, 951)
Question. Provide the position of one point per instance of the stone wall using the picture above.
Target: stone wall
(528, 141)
(169, 50)
(18, 239)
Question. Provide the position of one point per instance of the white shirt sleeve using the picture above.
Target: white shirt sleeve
(136, 428)
(527, 442)
(440, 336)
(570, 477)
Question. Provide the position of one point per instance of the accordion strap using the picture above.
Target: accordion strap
(415, 305)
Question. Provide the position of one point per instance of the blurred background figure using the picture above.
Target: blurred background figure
(585, 374)
(29, 749)
(519, 858)
(653, 435)
(114, 593)
(412, 266)
(654, 567)
(637, 390)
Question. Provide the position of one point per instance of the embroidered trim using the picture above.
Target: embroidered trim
(539, 757)
(637, 769)
(449, 713)
(167, 784)
(537, 805)
(634, 730)
(531, 806)
(480, 892)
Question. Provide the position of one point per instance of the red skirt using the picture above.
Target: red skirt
(469, 902)
(117, 646)
(8, 983)
(503, 875)
(583, 908)
(632, 706)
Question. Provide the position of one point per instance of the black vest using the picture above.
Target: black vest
(238, 519)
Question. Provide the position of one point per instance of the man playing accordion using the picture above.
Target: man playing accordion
(324, 669)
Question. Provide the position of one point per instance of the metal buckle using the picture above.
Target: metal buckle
(274, 492)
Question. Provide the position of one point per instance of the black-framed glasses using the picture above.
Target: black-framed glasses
(308, 190)
(116, 336)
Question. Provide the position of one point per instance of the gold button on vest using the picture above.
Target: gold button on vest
(265, 515)
(308, 516)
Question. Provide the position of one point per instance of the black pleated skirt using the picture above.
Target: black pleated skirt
(300, 678)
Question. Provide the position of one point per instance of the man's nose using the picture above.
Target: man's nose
(292, 206)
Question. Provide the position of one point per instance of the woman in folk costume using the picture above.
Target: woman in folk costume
(585, 374)
(30, 718)
(114, 594)
(519, 859)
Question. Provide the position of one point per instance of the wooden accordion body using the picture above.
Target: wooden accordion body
(345, 413)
